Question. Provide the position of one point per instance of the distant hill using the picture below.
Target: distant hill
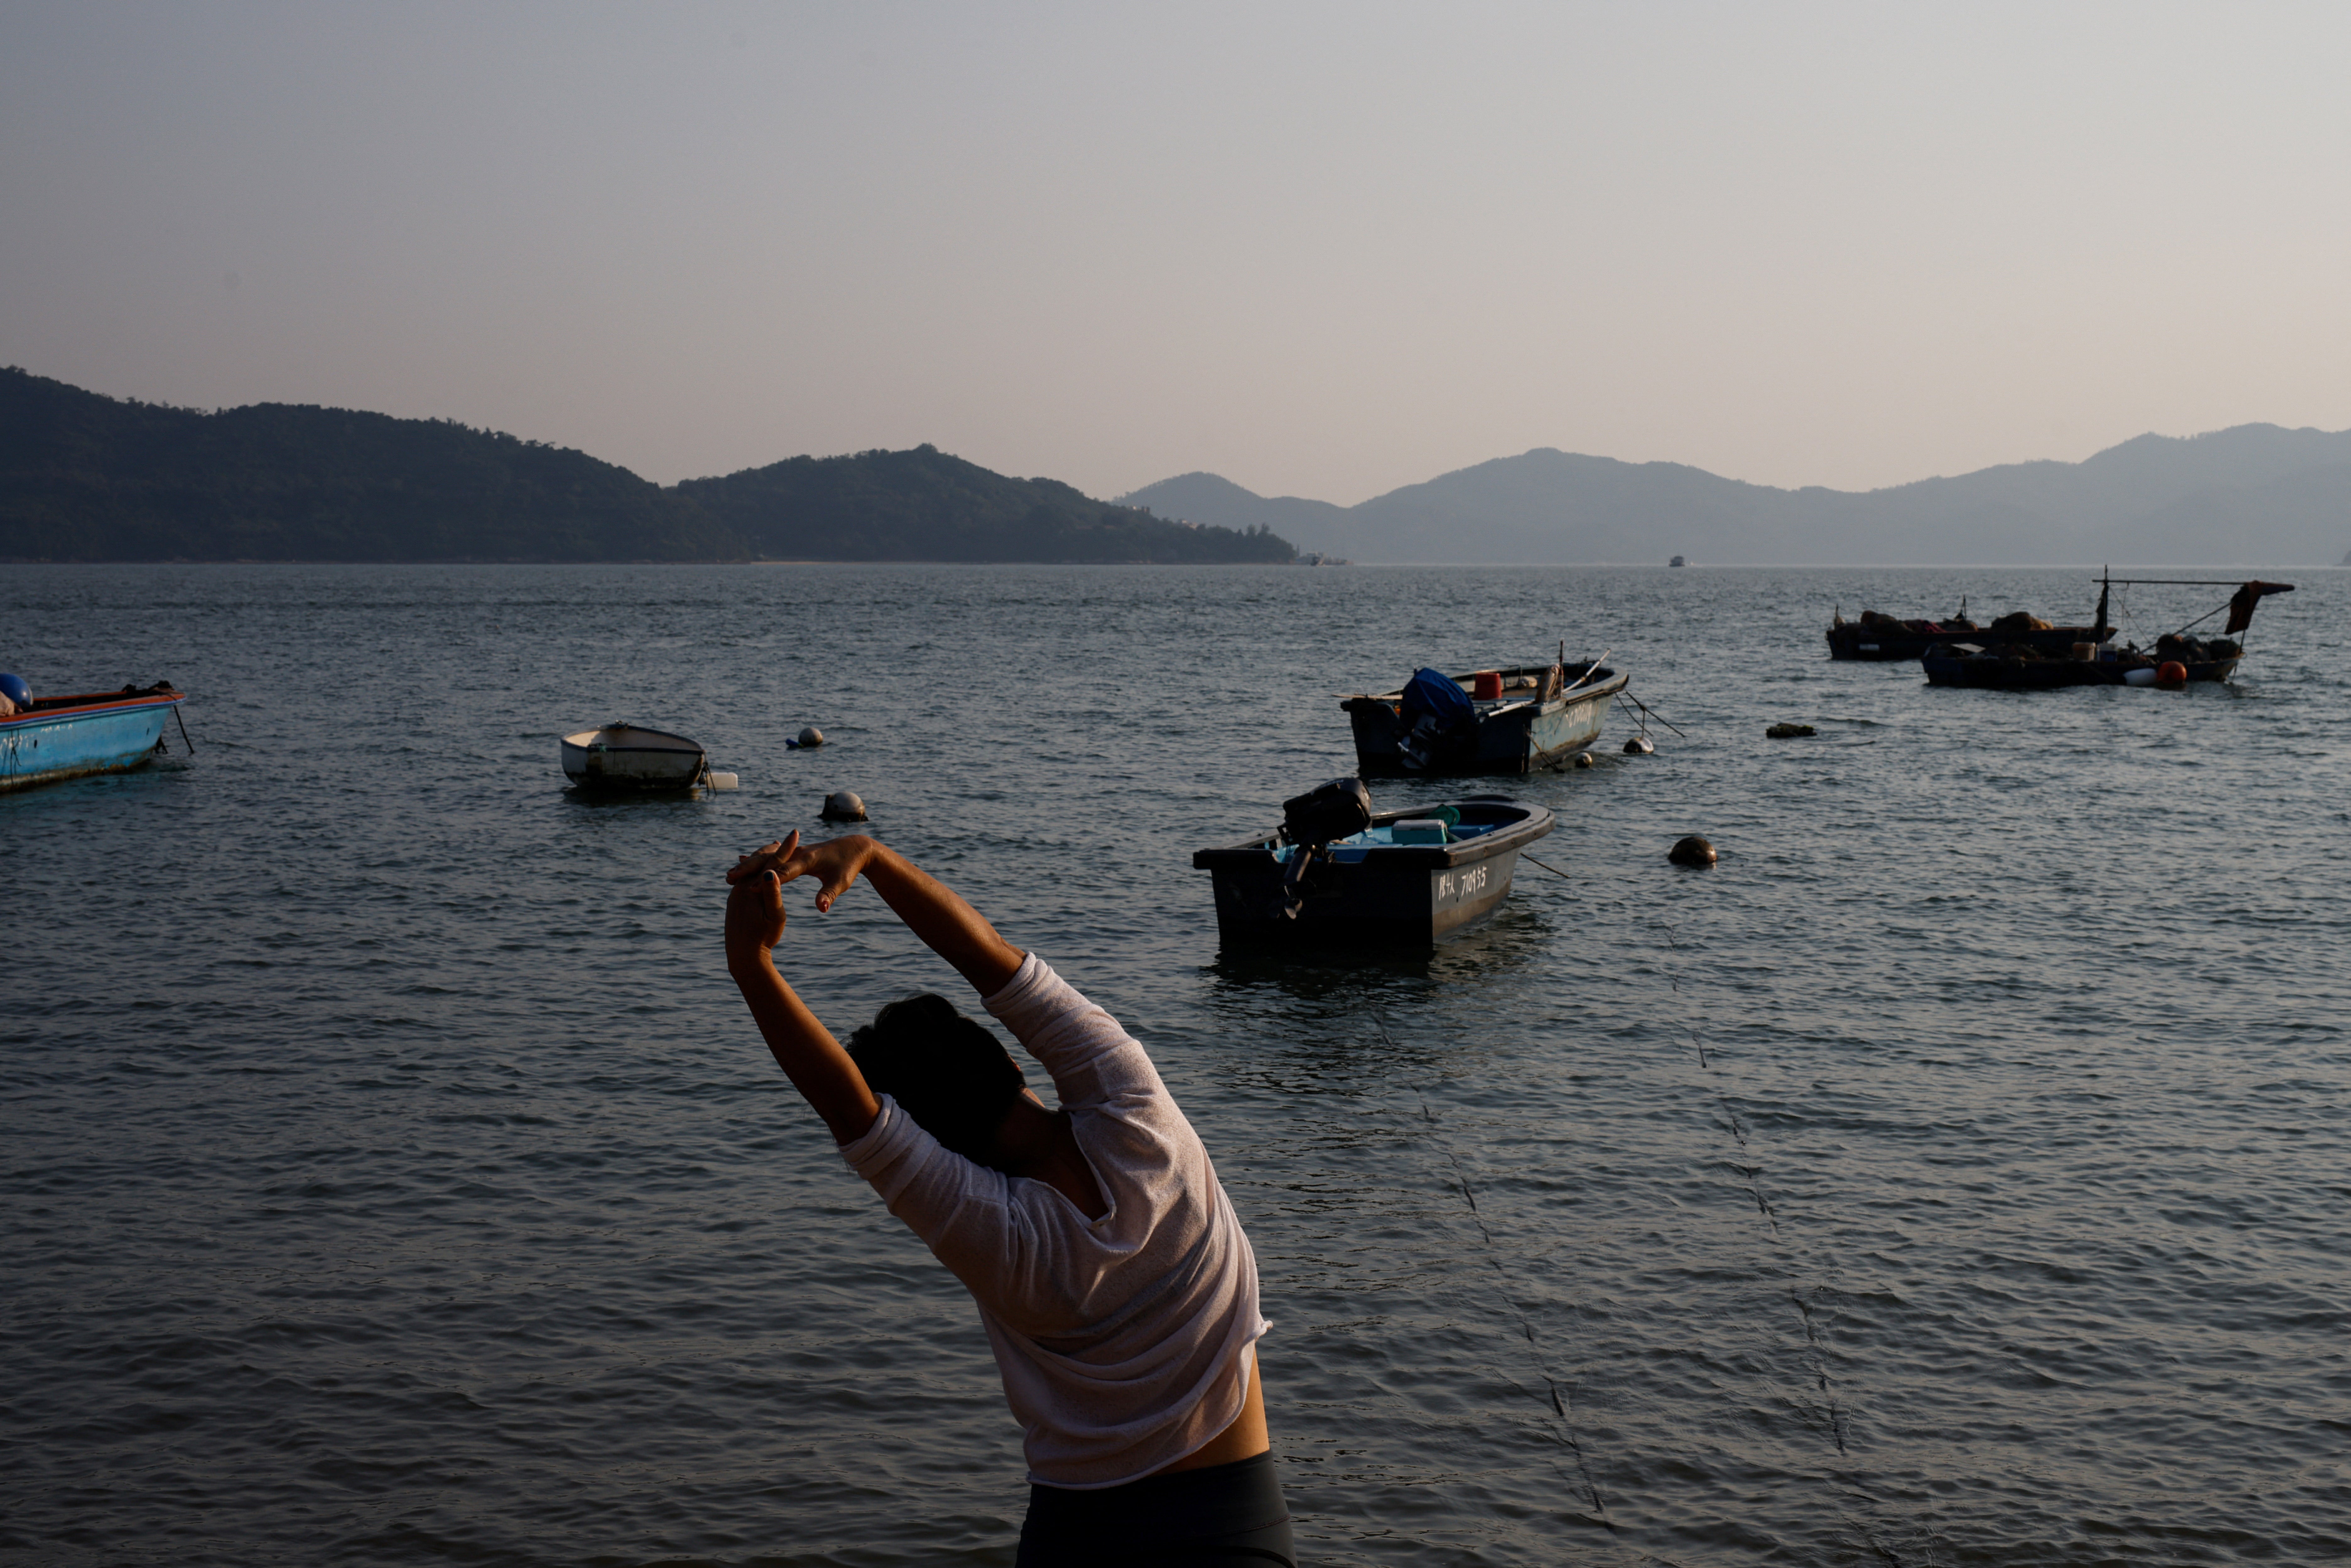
(923, 505)
(2254, 493)
(86, 477)
(1206, 499)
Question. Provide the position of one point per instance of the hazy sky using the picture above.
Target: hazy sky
(1323, 250)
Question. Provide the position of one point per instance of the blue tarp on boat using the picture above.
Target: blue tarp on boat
(1438, 695)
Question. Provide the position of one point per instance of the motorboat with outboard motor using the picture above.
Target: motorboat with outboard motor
(1522, 719)
(1336, 872)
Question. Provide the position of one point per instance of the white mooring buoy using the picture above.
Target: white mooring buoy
(842, 806)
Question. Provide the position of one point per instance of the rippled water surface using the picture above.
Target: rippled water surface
(1959, 1173)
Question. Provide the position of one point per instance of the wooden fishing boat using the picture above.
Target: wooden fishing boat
(1522, 719)
(1883, 637)
(1369, 888)
(631, 757)
(1987, 662)
(92, 732)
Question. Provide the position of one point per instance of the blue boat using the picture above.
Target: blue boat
(97, 732)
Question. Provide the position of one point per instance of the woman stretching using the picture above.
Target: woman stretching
(1118, 1291)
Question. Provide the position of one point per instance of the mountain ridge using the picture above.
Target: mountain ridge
(2249, 494)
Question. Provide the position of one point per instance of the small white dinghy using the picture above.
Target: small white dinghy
(630, 757)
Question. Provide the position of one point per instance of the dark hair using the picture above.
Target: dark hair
(945, 1070)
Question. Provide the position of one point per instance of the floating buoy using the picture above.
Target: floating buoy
(810, 737)
(1692, 851)
(842, 806)
(2142, 676)
(2171, 674)
(1639, 746)
(1583, 759)
(1789, 731)
(724, 781)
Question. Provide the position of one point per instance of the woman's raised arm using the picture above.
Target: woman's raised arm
(806, 1050)
(932, 909)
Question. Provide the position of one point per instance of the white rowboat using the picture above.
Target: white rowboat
(629, 756)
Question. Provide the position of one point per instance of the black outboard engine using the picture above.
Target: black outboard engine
(1339, 809)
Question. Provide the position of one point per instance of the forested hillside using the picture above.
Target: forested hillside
(924, 504)
(86, 478)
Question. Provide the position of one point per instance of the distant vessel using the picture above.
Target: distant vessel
(1677, 561)
(95, 732)
(631, 757)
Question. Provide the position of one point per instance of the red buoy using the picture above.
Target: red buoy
(2171, 674)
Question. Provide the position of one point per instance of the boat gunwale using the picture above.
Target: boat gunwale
(116, 704)
(1256, 852)
(687, 747)
(1595, 678)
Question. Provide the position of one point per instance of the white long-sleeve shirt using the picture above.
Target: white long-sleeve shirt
(1124, 1342)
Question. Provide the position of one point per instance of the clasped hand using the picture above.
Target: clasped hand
(755, 908)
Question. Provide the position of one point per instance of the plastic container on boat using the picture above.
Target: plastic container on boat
(1486, 685)
(1419, 830)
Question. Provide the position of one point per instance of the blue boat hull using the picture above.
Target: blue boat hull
(105, 737)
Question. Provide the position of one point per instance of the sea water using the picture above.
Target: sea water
(1956, 1174)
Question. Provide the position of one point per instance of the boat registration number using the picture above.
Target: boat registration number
(1449, 885)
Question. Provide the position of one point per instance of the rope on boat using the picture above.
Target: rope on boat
(1564, 876)
(1552, 869)
(1626, 694)
(183, 730)
(2198, 621)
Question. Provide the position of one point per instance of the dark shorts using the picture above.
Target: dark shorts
(1219, 1516)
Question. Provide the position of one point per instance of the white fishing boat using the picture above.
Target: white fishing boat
(631, 757)
(1518, 720)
